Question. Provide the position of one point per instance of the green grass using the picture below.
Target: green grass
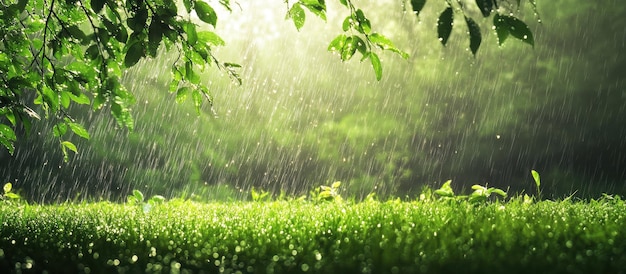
(436, 236)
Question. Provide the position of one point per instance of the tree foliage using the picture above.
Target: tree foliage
(56, 53)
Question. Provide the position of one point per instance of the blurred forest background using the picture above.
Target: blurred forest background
(302, 118)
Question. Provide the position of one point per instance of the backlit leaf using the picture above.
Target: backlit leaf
(336, 45)
(70, 146)
(59, 129)
(197, 100)
(349, 48)
(378, 69)
(364, 25)
(211, 38)
(7, 188)
(192, 35)
(347, 23)
(79, 130)
(81, 99)
(296, 13)
(206, 13)
(386, 44)
(181, 94)
(7, 133)
(316, 7)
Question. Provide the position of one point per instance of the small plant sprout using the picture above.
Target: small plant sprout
(482, 193)
(136, 198)
(445, 191)
(327, 193)
(8, 193)
(260, 196)
(537, 179)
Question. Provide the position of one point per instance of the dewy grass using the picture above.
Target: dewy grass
(442, 236)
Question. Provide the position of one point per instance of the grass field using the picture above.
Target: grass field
(422, 236)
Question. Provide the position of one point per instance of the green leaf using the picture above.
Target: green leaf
(499, 192)
(81, 99)
(386, 44)
(520, 30)
(97, 5)
(190, 74)
(122, 34)
(536, 177)
(378, 69)
(92, 52)
(347, 23)
(188, 5)
(444, 25)
(78, 130)
(344, 2)
(12, 196)
(155, 35)
(138, 195)
(197, 100)
(485, 6)
(192, 35)
(316, 7)
(380, 40)
(7, 188)
(70, 146)
(181, 94)
(475, 36)
(349, 48)
(210, 38)
(336, 45)
(133, 54)
(360, 45)
(7, 137)
(506, 25)
(364, 25)
(21, 5)
(138, 22)
(77, 33)
(65, 99)
(59, 130)
(156, 199)
(445, 190)
(502, 30)
(418, 5)
(296, 13)
(7, 132)
(206, 13)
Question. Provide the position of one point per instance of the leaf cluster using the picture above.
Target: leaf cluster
(504, 23)
(74, 52)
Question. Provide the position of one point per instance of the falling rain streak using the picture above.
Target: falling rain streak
(303, 118)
